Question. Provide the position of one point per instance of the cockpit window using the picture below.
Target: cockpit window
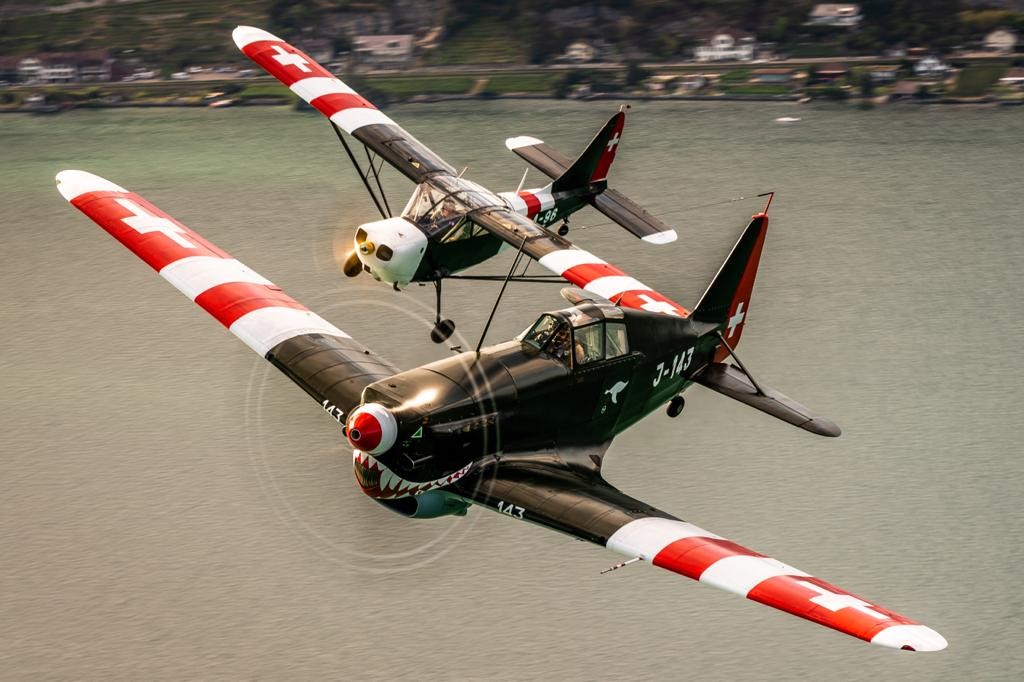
(464, 229)
(578, 345)
(434, 209)
(615, 339)
(541, 331)
(558, 345)
(589, 345)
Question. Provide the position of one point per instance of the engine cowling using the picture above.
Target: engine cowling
(390, 249)
(428, 505)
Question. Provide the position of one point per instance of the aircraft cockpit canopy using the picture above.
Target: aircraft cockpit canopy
(579, 336)
(433, 209)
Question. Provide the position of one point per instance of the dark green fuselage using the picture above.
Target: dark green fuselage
(513, 397)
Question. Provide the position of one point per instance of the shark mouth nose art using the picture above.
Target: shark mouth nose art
(378, 481)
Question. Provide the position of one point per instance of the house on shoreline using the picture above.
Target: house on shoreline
(727, 46)
(383, 51)
(1001, 40)
(86, 66)
(841, 15)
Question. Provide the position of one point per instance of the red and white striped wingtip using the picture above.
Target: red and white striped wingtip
(689, 550)
(75, 183)
(245, 35)
(910, 638)
(248, 304)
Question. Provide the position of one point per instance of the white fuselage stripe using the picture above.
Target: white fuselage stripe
(564, 259)
(547, 200)
(264, 328)
(318, 86)
(196, 274)
(515, 202)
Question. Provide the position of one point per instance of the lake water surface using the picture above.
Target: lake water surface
(172, 507)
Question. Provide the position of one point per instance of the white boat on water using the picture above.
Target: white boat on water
(787, 119)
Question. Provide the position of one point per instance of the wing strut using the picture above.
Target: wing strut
(511, 271)
(364, 176)
(739, 362)
(376, 176)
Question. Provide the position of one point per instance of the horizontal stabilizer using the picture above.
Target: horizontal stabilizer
(612, 203)
(633, 217)
(731, 381)
(540, 155)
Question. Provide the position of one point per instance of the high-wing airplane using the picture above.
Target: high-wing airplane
(487, 427)
(438, 233)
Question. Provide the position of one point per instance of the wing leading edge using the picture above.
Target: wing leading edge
(322, 359)
(342, 105)
(546, 491)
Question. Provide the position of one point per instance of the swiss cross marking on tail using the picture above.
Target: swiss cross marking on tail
(285, 58)
(143, 222)
(613, 142)
(736, 320)
(833, 601)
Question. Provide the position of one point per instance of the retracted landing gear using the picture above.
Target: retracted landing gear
(442, 328)
(675, 406)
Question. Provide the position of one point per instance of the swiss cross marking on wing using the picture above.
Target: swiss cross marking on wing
(285, 58)
(834, 601)
(144, 222)
(654, 306)
(613, 142)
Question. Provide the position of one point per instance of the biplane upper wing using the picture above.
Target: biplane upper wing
(325, 361)
(612, 203)
(345, 108)
(545, 490)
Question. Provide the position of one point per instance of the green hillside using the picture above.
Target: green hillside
(172, 29)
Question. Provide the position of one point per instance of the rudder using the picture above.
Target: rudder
(592, 165)
(727, 299)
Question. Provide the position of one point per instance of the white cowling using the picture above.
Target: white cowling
(391, 248)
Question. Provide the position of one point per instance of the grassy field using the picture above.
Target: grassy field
(759, 89)
(484, 42)
(422, 85)
(153, 27)
(736, 76)
(522, 82)
(976, 79)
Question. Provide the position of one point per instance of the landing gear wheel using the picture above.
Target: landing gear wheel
(675, 406)
(563, 229)
(441, 331)
(442, 328)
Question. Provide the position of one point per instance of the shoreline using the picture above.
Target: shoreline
(990, 102)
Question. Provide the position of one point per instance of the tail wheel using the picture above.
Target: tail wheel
(675, 406)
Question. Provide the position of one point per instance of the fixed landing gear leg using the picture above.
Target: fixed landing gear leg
(675, 406)
(442, 328)
(563, 229)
